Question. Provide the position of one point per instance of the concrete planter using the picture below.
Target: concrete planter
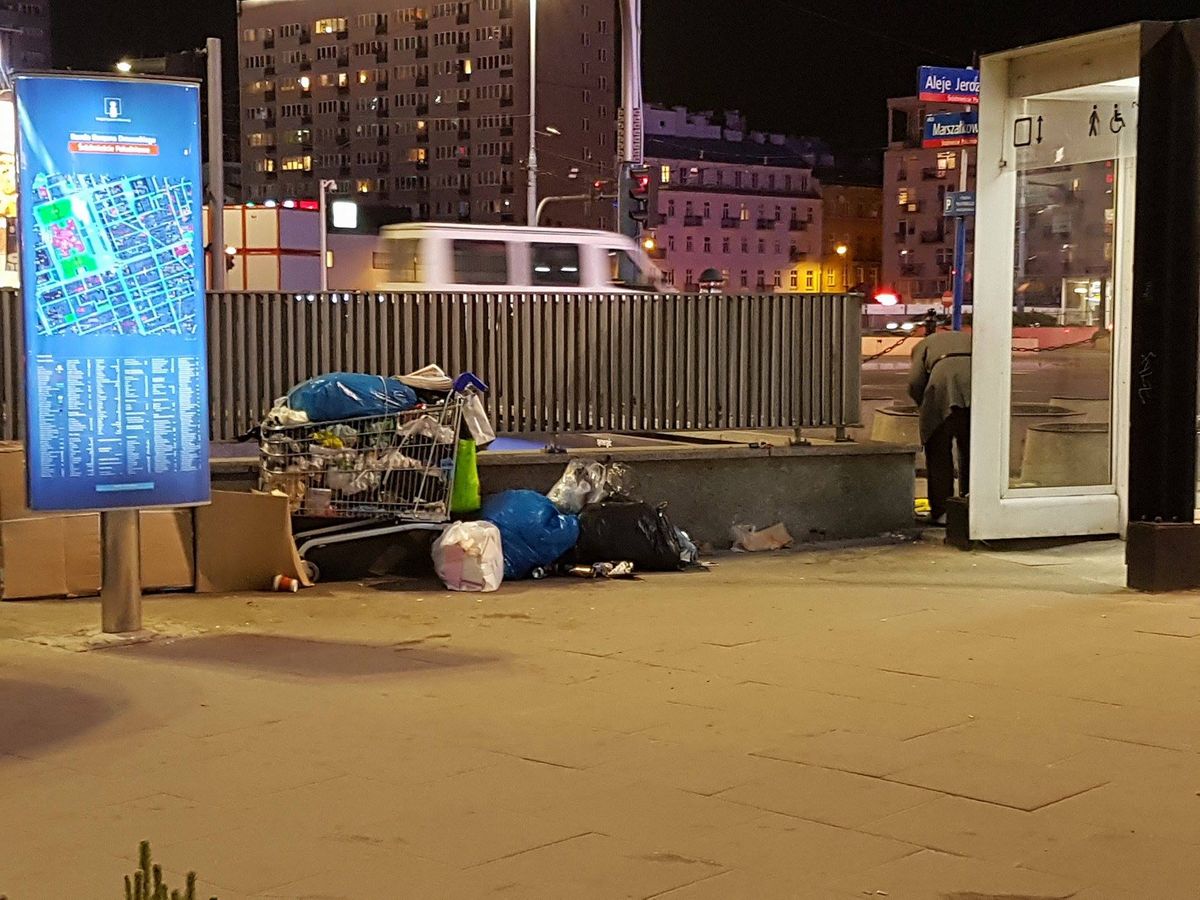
(1092, 409)
(1062, 454)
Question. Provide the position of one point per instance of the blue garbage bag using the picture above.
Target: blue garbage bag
(349, 395)
(533, 533)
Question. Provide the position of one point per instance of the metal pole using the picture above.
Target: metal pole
(216, 164)
(323, 230)
(121, 593)
(531, 200)
(546, 201)
(960, 248)
(631, 64)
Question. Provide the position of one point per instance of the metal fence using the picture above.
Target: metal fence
(554, 362)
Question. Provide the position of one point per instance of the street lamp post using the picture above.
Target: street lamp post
(531, 199)
(842, 250)
(327, 185)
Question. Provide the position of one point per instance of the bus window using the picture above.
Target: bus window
(625, 272)
(555, 265)
(404, 262)
(480, 262)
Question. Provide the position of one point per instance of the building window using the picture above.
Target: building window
(762, 246)
(744, 278)
(670, 242)
(671, 208)
(903, 197)
(707, 209)
(737, 179)
(947, 160)
(745, 245)
(793, 279)
(724, 245)
(708, 245)
(808, 280)
(687, 278)
(330, 26)
(744, 215)
(664, 175)
(687, 243)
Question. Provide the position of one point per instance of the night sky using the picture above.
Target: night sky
(821, 69)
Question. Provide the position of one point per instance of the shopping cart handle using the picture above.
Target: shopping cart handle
(469, 380)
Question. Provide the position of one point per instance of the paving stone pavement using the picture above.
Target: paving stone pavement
(903, 721)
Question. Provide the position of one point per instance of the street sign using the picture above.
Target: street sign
(941, 85)
(959, 204)
(951, 129)
(112, 260)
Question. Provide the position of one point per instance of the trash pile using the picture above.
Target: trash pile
(588, 526)
(396, 454)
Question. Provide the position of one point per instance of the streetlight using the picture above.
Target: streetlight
(124, 67)
(531, 199)
(842, 250)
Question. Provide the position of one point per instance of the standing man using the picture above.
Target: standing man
(940, 384)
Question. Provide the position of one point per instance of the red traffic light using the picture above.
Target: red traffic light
(641, 185)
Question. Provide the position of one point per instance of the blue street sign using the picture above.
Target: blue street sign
(959, 204)
(940, 85)
(112, 271)
(951, 129)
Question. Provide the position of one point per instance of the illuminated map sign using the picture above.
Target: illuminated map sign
(112, 263)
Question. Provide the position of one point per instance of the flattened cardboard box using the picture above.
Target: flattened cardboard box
(14, 499)
(53, 556)
(57, 560)
(168, 550)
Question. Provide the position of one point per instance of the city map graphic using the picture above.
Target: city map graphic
(114, 255)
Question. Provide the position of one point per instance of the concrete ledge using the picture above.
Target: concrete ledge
(821, 492)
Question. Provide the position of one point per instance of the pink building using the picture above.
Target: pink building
(745, 203)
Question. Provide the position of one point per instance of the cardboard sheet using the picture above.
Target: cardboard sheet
(243, 541)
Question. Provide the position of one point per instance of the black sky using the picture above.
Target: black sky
(803, 67)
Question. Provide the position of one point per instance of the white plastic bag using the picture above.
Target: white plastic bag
(469, 557)
(475, 415)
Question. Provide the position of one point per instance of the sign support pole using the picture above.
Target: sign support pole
(216, 164)
(960, 248)
(121, 591)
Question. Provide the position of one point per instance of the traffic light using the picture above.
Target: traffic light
(639, 193)
(637, 199)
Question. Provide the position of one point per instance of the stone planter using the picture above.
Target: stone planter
(1064, 454)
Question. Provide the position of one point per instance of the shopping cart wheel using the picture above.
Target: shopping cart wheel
(312, 570)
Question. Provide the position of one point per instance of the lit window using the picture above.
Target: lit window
(329, 26)
(665, 175)
(363, 185)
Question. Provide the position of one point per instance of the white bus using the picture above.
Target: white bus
(431, 256)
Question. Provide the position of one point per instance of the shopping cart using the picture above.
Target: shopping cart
(376, 475)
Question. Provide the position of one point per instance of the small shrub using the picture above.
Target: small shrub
(147, 882)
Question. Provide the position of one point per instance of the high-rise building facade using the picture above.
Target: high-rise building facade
(425, 107)
(918, 241)
(24, 34)
(745, 203)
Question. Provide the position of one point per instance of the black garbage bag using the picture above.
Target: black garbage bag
(626, 530)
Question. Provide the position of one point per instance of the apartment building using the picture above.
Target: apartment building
(24, 34)
(918, 241)
(852, 216)
(425, 107)
(744, 202)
